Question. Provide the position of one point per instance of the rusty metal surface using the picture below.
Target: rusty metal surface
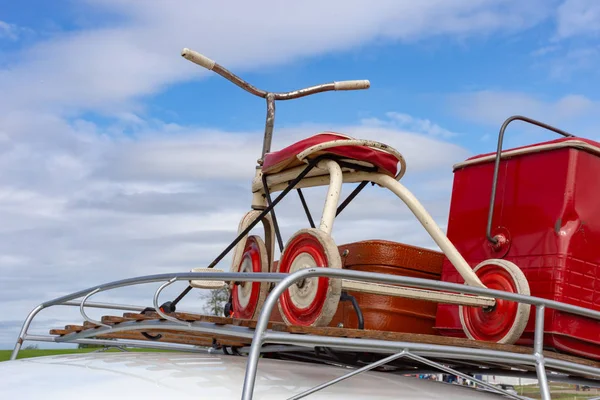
(269, 124)
(238, 81)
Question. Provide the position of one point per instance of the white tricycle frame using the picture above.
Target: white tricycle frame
(316, 166)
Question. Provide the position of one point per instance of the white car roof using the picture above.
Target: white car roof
(169, 375)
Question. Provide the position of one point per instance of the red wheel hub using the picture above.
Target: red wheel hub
(244, 305)
(302, 246)
(492, 324)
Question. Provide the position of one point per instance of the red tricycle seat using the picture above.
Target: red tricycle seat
(286, 158)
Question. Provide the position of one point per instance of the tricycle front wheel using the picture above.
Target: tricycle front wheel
(506, 320)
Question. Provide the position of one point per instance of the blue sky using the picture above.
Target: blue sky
(415, 75)
(113, 144)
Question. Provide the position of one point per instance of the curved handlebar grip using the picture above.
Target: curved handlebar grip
(351, 85)
(198, 58)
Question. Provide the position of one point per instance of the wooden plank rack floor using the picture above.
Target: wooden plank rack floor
(222, 332)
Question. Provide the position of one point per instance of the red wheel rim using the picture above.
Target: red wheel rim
(494, 324)
(304, 243)
(252, 253)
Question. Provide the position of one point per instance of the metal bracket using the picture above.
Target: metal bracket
(488, 231)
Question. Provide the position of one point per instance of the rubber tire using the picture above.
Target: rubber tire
(327, 306)
(519, 281)
(262, 288)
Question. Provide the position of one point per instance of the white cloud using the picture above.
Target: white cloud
(493, 107)
(574, 61)
(107, 68)
(575, 114)
(570, 60)
(577, 18)
(405, 121)
(573, 49)
(230, 155)
(542, 51)
(8, 31)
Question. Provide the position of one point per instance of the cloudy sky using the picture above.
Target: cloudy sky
(121, 158)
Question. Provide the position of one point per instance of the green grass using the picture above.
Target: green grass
(558, 391)
(5, 354)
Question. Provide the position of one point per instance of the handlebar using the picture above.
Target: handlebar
(211, 65)
(198, 58)
(351, 85)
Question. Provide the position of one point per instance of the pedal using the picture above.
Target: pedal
(202, 284)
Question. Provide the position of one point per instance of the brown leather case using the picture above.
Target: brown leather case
(387, 313)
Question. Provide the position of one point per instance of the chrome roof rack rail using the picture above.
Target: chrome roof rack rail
(453, 359)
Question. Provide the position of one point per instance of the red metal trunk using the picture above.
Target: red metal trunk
(548, 206)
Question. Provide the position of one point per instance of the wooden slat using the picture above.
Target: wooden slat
(178, 336)
(89, 325)
(74, 328)
(204, 318)
(59, 332)
(428, 339)
(169, 335)
(399, 336)
(110, 319)
(182, 316)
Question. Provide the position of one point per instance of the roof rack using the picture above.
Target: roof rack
(400, 352)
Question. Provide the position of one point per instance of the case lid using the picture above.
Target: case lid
(587, 145)
(392, 254)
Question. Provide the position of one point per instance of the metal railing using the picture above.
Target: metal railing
(260, 335)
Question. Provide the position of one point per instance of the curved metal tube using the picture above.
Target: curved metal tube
(333, 194)
(488, 231)
(24, 329)
(271, 97)
(221, 276)
(84, 315)
(157, 307)
(427, 221)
